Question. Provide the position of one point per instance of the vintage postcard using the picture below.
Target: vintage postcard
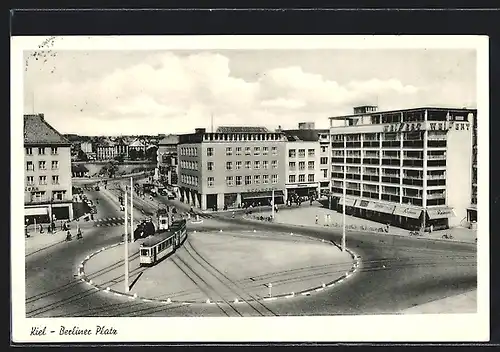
(250, 188)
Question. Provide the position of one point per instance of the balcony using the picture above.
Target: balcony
(413, 182)
(436, 195)
(390, 162)
(371, 178)
(436, 157)
(436, 143)
(391, 144)
(417, 144)
(412, 201)
(371, 144)
(413, 163)
(353, 160)
(353, 144)
(371, 161)
(338, 145)
(436, 177)
(436, 163)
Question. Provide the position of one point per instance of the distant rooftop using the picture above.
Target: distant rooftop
(170, 139)
(38, 132)
(304, 135)
(241, 129)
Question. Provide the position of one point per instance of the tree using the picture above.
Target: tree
(132, 154)
(119, 158)
(82, 156)
(140, 154)
(151, 153)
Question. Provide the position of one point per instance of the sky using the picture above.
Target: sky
(152, 92)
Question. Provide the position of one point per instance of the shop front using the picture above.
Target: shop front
(261, 198)
(408, 217)
(40, 214)
(349, 206)
(303, 190)
(472, 213)
(439, 217)
(380, 212)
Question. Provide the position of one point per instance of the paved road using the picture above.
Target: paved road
(397, 273)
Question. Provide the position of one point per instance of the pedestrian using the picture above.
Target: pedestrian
(328, 220)
(41, 228)
(26, 233)
(79, 233)
(316, 219)
(431, 228)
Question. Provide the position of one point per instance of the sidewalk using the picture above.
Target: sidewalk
(40, 241)
(306, 216)
(464, 303)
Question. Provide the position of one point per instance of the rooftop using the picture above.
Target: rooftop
(38, 132)
(304, 135)
(342, 117)
(170, 139)
(241, 129)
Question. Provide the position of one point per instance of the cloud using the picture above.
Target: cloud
(177, 92)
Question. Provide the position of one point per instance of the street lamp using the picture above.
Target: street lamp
(344, 193)
(126, 246)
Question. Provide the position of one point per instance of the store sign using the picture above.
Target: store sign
(304, 185)
(461, 126)
(403, 127)
(31, 189)
(383, 208)
(438, 126)
(408, 212)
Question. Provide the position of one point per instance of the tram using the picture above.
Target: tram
(157, 247)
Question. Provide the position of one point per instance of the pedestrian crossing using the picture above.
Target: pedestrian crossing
(110, 221)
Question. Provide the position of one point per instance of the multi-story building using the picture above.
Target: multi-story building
(106, 150)
(410, 168)
(48, 187)
(472, 209)
(168, 164)
(86, 147)
(235, 166)
(307, 161)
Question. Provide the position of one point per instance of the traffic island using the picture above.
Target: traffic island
(224, 267)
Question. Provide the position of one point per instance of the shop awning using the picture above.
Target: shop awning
(349, 202)
(36, 211)
(362, 203)
(440, 213)
(409, 212)
(472, 207)
(380, 207)
(265, 194)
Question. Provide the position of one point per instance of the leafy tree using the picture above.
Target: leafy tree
(132, 154)
(140, 154)
(151, 153)
(119, 158)
(82, 156)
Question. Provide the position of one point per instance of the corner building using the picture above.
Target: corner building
(232, 167)
(410, 168)
(307, 164)
(48, 185)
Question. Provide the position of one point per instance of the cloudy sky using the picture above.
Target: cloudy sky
(151, 92)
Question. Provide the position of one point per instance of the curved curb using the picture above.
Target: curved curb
(312, 227)
(307, 292)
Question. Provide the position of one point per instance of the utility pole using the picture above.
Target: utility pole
(126, 245)
(132, 208)
(344, 192)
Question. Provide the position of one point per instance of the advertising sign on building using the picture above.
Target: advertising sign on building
(383, 208)
(403, 127)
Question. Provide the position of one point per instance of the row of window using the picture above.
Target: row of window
(248, 151)
(39, 196)
(248, 165)
(292, 153)
(246, 180)
(42, 180)
(292, 165)
(41, 150)
(189, 180)
(188, 151)
(42, 165)
(302, 178)
(191, 165)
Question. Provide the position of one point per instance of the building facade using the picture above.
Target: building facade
(472, 209)
(106, 151)
(410, 168)
(233, 167)
(86, 147)
(48, 186)
(168, 165)
(307, 162)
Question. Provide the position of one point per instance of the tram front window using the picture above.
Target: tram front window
(145, 252)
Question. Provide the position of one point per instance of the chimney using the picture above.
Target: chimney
(200, 130)
(42, 116)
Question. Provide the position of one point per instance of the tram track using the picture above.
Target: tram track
(184, 268)
(226, 281)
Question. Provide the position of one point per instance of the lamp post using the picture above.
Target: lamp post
(344, 194)
(132, 209)
(126, 245)
(272, 203)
